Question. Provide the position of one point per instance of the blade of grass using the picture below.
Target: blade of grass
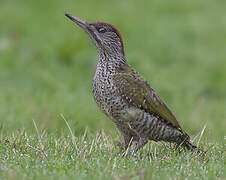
(201, 134)
(39, 137)
(72, 135)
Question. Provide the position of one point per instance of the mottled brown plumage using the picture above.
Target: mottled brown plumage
(125, 97)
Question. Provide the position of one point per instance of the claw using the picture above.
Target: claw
(120, 145)
(140, 144)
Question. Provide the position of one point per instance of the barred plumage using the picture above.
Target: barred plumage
(124, 96)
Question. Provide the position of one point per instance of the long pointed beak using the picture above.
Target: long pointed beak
(87, 27)
(83, 24)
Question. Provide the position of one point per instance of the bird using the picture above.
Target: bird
(125, 97)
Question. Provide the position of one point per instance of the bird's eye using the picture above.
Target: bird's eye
(102, 30)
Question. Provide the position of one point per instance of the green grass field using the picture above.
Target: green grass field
(46, 69)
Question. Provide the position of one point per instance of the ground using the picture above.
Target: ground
(50, 126)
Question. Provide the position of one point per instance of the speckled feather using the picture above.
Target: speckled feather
(125, 97)
(138, 92)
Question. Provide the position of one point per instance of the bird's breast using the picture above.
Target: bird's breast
(107, 97)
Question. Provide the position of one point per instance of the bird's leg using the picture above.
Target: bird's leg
(140, 143)
(127, 142)
(120, 145)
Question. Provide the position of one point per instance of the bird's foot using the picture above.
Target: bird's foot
(120, 145)
(141, 143)
(126, 152)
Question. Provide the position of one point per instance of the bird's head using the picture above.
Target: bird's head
(105, 36)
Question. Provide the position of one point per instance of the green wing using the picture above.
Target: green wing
(138, 92)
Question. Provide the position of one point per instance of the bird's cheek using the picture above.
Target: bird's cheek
(96, 39)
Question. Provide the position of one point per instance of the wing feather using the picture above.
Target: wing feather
(138, 92)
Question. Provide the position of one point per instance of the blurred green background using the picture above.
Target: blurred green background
(47, 63)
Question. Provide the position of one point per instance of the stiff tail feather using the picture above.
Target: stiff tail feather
(188, 145)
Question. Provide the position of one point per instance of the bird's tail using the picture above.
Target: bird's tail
(185, 142)
(188, 145)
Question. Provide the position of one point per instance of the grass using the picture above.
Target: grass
(46, 70)
(90, 156)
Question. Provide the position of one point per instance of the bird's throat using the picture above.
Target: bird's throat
(111, 60)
